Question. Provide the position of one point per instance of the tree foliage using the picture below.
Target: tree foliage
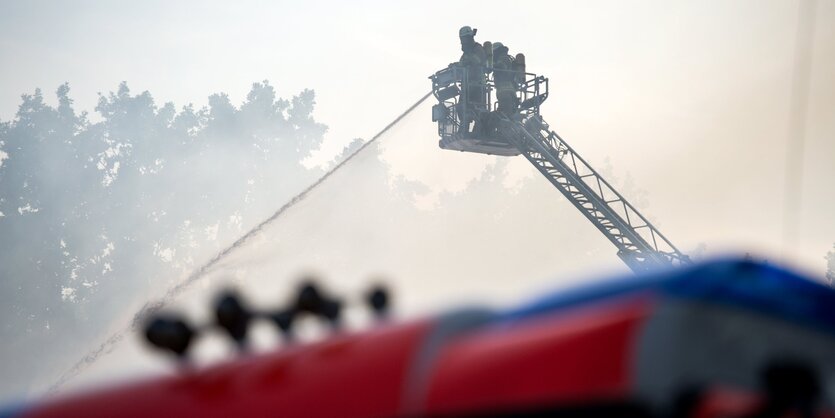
(91, 212)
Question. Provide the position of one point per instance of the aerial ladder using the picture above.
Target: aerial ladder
(472, 124)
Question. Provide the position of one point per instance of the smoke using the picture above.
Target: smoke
(97, 215)
(480, 239)
(697, 117)
(201, 271)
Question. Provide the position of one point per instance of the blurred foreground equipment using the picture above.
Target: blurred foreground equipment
(232, 315)
(727, 339)
(504, 132)
(170, 333)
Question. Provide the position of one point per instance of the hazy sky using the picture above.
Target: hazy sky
(369, 59)
(690, 98)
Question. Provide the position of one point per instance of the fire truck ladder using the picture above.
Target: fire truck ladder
(640, 244)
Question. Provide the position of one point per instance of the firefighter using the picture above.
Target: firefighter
(519, 68)
(488, 51)
(505, 77)
(473, 59)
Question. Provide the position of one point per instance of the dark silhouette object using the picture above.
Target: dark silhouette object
(331, 310)
(309, 299)
(488, 52)
(519, 68)
(169, 333)
(473, 60)
(231, 315)
(312, 301)
(789, 386)
(284, 321)
(378, 299)
(505, 77)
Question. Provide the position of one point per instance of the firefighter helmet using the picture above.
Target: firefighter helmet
(466, 31)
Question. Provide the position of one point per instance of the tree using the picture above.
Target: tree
(96, 213)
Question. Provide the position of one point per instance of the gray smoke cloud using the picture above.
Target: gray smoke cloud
(456, 228)
(102, 213)
(138, 320)
(96, 213)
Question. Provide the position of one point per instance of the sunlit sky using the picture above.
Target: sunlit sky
(691, 99)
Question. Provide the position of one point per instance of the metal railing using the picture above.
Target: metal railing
(453, 90)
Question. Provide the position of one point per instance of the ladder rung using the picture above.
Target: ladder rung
(563, 167)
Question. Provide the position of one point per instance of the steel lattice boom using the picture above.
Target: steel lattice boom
(640, 244)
